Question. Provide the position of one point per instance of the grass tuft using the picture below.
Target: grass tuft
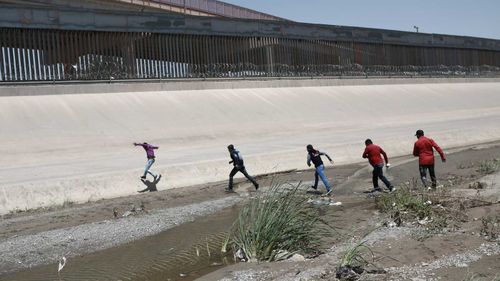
(275, 225)
(406, 204)
(489, 166)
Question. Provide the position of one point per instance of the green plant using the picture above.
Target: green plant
(405, 202)
(489, 166)
(491, 227)
(275, 225)
(356, 256)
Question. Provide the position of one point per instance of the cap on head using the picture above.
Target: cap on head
(419, 133)
(368, 141)
(230, 147)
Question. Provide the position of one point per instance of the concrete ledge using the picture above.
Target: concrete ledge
(211, 84)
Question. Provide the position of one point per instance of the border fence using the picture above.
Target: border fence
(64, 55)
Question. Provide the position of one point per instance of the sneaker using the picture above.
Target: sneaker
(329, 192)
(257, 187)
(143, 178)
(314, 187)
(229, 190)
(376, 189)
(392, 189)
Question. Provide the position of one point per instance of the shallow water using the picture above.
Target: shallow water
(185, 252)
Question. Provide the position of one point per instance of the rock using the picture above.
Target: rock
(240, 255)
(297, 258)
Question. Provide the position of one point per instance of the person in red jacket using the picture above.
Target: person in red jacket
(424, 150)
(373, 152)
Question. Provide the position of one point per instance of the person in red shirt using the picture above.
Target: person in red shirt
(373, 152)
(424, 150)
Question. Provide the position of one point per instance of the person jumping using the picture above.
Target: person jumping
(314, 156)
(239, 166)
(150, 154)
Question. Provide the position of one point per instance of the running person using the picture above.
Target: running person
(314, 156)
(150, 154)
(423, 149)
(239, 166)
(373, 152)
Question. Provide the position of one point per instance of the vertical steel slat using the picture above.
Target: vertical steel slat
(17, 56)
(168, 44)
(42, 54)
(26, 55)
(22, 55)
(161, 56)
(172, 44)
(10, 54)
(3, 63)
(193, 47)
(182, 55)
(189, 54)
(90, 54)
(157, 55)
(154, 58)
(77, 36)
(3, 48)
(140, 55)
(212, 61)
(31, 55)
(64, 54)
(177, 55)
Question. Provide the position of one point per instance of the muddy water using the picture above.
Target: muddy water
(183, 253)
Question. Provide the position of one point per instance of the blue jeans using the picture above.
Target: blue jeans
(320, 172)
(148, 166)
(378, 173)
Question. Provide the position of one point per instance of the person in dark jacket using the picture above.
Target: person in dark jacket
(239, 166)
(424, 150)
(373, 152)
(150, 154)
(314, 156)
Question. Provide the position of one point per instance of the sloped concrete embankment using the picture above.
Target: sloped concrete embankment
(78, 147)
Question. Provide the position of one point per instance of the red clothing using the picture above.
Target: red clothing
(423, 149)
(372, 152)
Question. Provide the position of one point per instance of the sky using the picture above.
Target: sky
(478, 18)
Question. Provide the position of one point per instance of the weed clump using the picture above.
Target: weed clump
(405, 205)
(354, 262)
(275, 225)
(491, 227)
(489, 166)
(432, 213)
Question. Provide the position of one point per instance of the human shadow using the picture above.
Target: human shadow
(150, 185)
(314, 191)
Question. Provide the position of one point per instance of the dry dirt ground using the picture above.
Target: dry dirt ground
(404, 253)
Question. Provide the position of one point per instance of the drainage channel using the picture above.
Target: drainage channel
(185, 252)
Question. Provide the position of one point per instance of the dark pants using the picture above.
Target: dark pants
(378, 173)
(423, 174)
(244, 172)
